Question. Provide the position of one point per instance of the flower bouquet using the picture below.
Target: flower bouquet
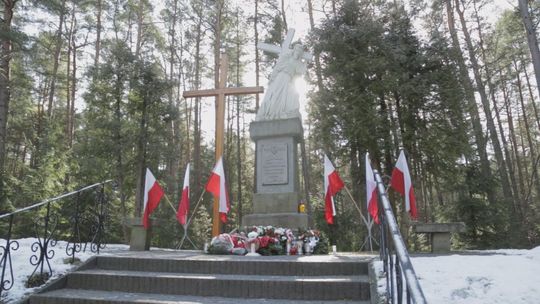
(268, 240)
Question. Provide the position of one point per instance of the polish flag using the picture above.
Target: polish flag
(216, 186)
(402, 183)
(152, 196)
(371, 192)
(183, 205)
(332, 185)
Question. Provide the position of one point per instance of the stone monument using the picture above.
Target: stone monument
(277, 131)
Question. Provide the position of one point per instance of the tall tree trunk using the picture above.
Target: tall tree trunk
(257, 58)
(68, 74)
(185, 149)
(392, 115)
(487, 109)
(140, 28)
(532, 149)
(173, 149)
(196, 114)
(491, 87)
(71, 131)
(513, 141)
(5, 58)
(472, 107)
(99, 10)
(238, 135)
(508, 156)
(284, 16)
(318, 72)
(56, 59)
(531, 39)
(522, 139)
(515, 144)
(385, 128)
(531, 94)
(118, 144)
(141, 157)
(217, 42)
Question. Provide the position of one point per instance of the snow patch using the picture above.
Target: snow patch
(505, 276)
(22, 268)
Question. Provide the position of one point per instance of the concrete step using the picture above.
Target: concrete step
(78, 296)
(325, 265)
(341, 287)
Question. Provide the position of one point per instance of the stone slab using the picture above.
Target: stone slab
(209, 284)
(439, 227)
(277, 165)
(440, 242)
(287, 220)
(79, 296)
(276, 202)
(140, 237)
(276, 128)
(323, 266)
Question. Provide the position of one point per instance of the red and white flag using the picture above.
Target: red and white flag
(332, 185)
(402, 183)
(216, 186)
(152, 196)
(371, 192)
(183, 205)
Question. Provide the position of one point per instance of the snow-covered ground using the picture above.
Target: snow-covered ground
(480, 277)
(505, 276)
(22, 267)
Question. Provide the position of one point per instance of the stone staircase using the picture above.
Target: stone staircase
(191, 277)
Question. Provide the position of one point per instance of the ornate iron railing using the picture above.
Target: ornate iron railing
(59, 217)
(401, 281)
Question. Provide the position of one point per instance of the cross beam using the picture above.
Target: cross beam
(285, 45)
(220, 92)
(224, 91)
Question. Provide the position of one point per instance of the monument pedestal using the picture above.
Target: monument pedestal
(140, 237)
(277, 190)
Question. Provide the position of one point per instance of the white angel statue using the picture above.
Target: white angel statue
(281, 98)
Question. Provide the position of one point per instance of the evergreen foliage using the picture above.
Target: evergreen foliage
(95, 93)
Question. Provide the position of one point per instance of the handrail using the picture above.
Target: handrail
(403, 263)
(45, 226)
(54, 199)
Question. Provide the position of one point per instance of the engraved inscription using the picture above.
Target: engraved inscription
(274, 164)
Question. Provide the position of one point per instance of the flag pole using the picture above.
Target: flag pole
(170, 204)
(368, 224)
(189, 221)
(356, 205)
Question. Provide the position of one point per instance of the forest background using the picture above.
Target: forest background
(91, 90)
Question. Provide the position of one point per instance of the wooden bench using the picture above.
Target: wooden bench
(439, 233)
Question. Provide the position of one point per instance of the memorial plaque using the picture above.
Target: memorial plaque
(274, 164)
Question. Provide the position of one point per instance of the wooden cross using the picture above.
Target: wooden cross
(285, 45)
(220, 92)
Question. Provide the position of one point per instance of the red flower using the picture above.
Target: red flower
(264, 241)
(293, 251)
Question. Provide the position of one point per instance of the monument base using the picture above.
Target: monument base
(276, 202)
(294, 221)
(277, 191)
(140, 237)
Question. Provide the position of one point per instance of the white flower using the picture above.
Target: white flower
(253, 235)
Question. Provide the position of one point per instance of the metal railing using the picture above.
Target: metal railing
(401, 281)
(87, 206)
